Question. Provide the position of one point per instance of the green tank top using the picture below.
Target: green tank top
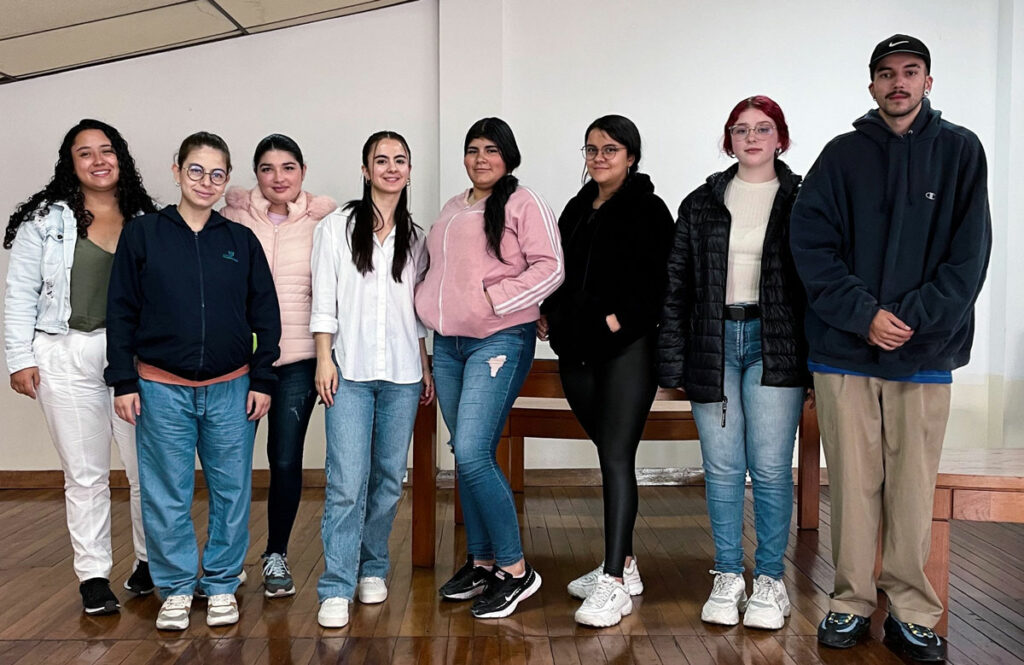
(90, 276)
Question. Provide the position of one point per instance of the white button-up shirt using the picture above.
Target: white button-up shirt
(372, 317)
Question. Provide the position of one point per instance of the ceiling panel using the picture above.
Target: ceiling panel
(39, 37)
(310, 18)
(97, 41)
(22, 17)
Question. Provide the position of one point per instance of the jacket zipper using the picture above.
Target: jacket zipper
(202, 307)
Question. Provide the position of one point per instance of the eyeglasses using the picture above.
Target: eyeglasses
(762, 130)
(196, 173)
(607, 151)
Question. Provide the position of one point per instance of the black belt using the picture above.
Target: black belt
(742, 312)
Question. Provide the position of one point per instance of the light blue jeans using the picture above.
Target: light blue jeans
(368, 433)
(758, 436)
(477, 380)
(177, 422)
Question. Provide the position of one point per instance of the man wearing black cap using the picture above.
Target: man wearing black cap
(891, 235)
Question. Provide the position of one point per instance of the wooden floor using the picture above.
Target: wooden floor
(41, 619)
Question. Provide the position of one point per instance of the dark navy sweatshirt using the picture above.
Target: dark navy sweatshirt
(900, 223)
(189, 302)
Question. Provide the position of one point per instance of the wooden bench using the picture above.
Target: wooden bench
(536, 415)
(982, 485)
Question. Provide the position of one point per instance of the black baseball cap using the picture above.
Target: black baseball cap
(899, 44)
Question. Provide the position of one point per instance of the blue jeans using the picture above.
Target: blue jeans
(368, 433)
(758, 436)
(477, 380)
(175, 423)
(291, 405)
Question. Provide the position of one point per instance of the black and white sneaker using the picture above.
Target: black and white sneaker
(140, 582)
(467, 582)
(505, 593)
(97, 598)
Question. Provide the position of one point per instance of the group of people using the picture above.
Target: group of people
(174, 331)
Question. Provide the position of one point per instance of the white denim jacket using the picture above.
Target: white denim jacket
(39, 282)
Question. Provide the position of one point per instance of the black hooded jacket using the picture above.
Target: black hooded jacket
(189, 302)
(899, 223)
(691, 342)
(614, 264)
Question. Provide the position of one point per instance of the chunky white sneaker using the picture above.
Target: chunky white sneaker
(174, 613)
(221, 609)
(769, 604)
(581, 587)
(371, 590)
(606, 605)
(728, 597)
(333, 613)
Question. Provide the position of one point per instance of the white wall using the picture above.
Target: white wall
(676, 67)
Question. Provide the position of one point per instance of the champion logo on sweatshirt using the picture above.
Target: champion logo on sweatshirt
(230, 256)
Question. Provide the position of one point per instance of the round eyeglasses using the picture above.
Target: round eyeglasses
(761, 130)
(196, 173)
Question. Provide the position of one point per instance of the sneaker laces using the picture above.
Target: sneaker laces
(177, 603)
(764, 590)
(920, 631)
(722, 582)
(275, 566)
(602, 592)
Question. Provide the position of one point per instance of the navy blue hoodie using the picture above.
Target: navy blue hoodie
(188, 303)
(899, 223)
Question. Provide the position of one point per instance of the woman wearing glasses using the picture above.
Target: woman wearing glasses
(494, 255)
(283, 217)
(602, 323)
(732, 337)
(187, 293)
(62, 241)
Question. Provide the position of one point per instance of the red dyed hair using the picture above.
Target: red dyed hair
(770, 108)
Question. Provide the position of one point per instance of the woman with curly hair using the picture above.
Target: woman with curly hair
(62, 242)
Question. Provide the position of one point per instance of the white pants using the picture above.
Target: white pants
(79, 411)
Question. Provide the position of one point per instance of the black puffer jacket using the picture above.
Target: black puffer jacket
(691, 352)
(614, 264)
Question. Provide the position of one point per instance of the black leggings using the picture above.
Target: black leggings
(611, 399)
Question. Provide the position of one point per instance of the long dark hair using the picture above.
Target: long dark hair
(498, 131)
(132, 197)
(363, 214)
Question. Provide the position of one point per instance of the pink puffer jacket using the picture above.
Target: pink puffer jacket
(288, 247)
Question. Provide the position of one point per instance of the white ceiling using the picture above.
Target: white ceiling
(39, 37)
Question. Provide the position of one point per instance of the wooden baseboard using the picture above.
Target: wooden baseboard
(445, 479)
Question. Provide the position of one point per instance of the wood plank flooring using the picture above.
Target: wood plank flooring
(41, 619)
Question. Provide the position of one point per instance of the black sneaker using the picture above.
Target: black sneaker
(467, 582)
(917, 642)
(97, 598)
(505, 593)
(140, 581)
(842, 631)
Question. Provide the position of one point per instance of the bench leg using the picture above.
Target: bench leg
(424, 486)
(937, 570)
(517, 463)
(808, 496)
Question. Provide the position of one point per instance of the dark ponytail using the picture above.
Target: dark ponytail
(498, 131)
(363, 215)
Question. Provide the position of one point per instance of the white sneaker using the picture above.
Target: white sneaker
(769, 604)
(221, 609)
(371, 590)
(606, 605)
(174, 613)
(581, 587)
(333, 613)
(728, 597)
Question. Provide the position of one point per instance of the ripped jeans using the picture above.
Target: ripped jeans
(477, 380)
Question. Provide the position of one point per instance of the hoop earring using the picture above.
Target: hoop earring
(927, 92)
